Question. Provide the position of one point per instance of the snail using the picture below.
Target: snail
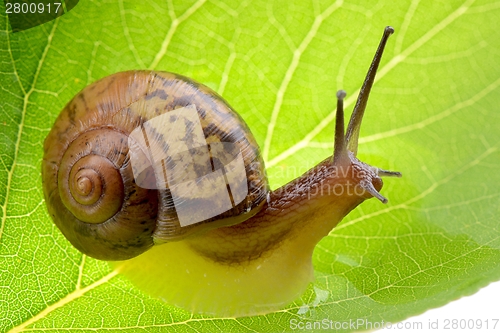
(158, 174)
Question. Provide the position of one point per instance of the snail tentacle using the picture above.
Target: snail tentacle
(354, 126)
(340, 155)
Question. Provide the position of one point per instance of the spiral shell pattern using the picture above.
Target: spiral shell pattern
(93, 191)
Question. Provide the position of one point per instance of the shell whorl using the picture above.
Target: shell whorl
(89, 181)
(94, 193)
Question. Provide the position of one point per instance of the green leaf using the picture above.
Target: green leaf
(432, 116)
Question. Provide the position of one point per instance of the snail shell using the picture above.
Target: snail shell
(126, 161)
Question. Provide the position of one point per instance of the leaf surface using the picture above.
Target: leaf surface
(432, 115)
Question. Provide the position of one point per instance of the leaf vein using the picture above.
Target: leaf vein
(382, 72)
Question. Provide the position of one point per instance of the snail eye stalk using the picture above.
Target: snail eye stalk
(354, 126)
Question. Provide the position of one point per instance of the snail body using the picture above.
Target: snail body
(145, 158)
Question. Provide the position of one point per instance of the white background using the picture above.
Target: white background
(484, 306)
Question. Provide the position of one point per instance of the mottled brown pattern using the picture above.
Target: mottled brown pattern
(118, 104)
